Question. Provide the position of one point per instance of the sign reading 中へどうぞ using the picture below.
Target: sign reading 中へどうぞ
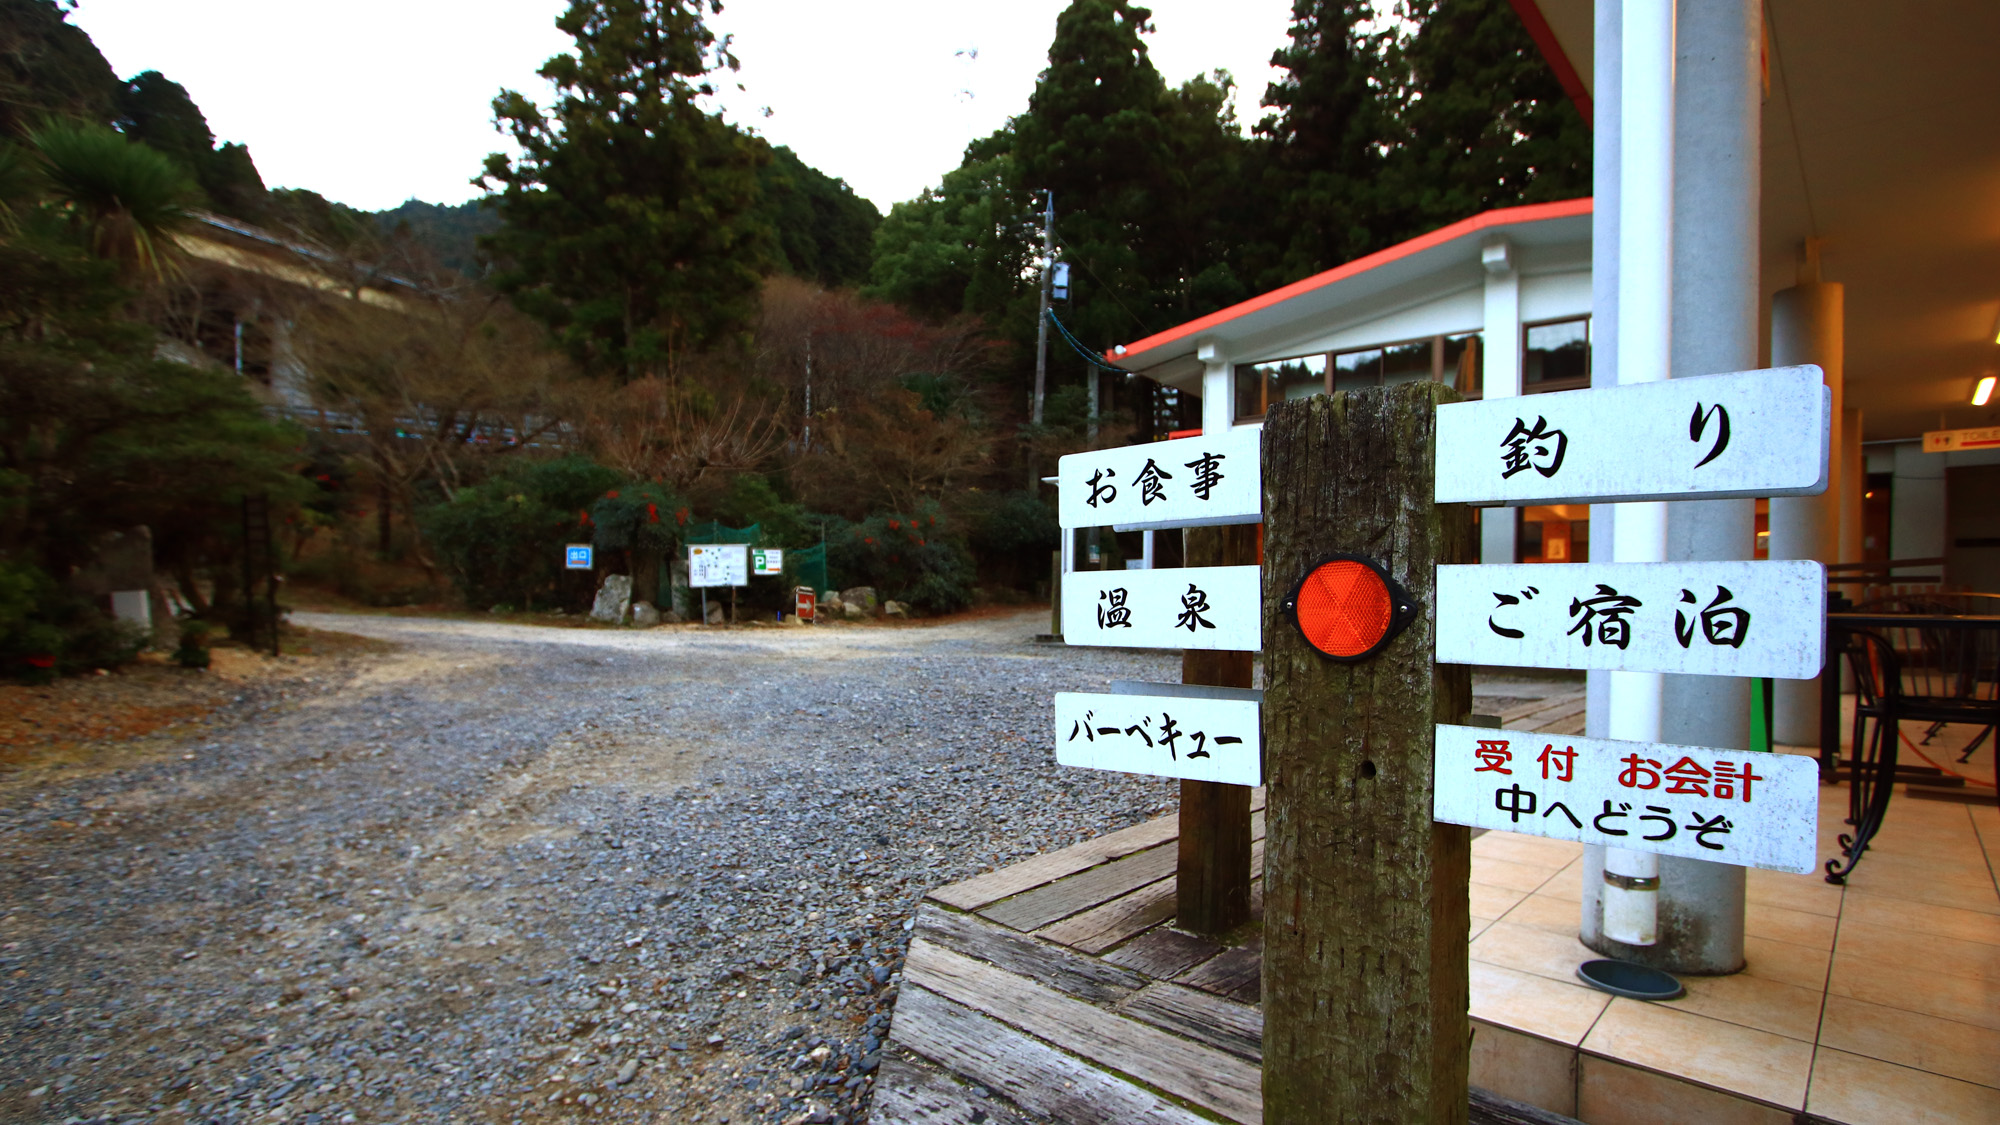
(1186, 482)
(1197, 739)
(1200, 607)
(1730, 806)
(1747, 433)
(1762, 619)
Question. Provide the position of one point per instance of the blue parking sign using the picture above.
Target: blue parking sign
(577, 556)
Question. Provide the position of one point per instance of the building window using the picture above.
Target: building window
(1553, 533)
(1556, 356)
(1258, 385)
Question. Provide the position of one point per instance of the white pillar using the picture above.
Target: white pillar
(1807, 327)
(1916, 515)
(1853, 482)
(1603, 347)
(1218, 388)
(1499, 375)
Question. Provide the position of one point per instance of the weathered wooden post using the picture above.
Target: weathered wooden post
(1212, 884)
(1366, 915)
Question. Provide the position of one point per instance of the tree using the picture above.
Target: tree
(631, 222)
(1485, 123)
(823, 230)
(126, 199)
(961, 247)
(49, 68)
(157, 112)
(1328, 128)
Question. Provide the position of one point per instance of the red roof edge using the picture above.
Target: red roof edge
(1499, 217)
(1545, 41)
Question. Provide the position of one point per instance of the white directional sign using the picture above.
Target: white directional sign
(1187, 482)
(1729, 806)
(718, 564)
(1749, 433)
(767, 560)
(1168, 736)
(1760, 619)
(1948, 441)
(1205, 607)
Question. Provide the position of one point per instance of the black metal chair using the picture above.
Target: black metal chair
(1954, 673)
(1872, 759)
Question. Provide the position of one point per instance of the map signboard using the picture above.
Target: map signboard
(1729, 806)
(718, 564)
(1762, 619)
(1748, 433)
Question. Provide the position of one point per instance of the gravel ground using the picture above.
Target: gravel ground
(509, 873)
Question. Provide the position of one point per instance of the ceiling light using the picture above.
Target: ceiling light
(1983, 393)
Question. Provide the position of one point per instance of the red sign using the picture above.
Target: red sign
(806, 602)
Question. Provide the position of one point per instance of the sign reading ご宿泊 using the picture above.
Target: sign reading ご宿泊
(1747, 433)
(1729, 806)
(1204, 607)
(1762, 619)
(1186, 482)
(1167, 736)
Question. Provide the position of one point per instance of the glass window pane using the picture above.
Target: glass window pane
(1355, 370)
(1258, 384)
(1406, 363)
(1461, 363)
(1556, 352)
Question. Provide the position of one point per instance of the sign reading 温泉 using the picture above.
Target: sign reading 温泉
(1730, 806)
(1748, 433)
(1205, 607)
(718, 564)
(1186, 482)
(1168, 736)
(1948, 441)
(1761, 619)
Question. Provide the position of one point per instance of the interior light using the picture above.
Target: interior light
(1983, 393)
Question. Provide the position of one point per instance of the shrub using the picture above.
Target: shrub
(919, 559)
(46, 631)
(502, 541)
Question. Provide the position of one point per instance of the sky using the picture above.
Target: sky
(371, 102)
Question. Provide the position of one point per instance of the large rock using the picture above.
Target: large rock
(829, 604)
(863, 596)
(644, 616)
(613, 596)
(852, 610)
(895, 609)
(715, 613)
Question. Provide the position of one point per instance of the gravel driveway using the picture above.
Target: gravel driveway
(509, 873)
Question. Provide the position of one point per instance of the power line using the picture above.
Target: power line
(1080, 349)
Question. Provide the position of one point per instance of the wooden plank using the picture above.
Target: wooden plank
(1163, 953)
(1214, 870)
(1100, 928)
(1366, 911)
(1203, 1075)
(1032, 1074)
(1223, 1024)
(1039, 907)
(993, 886)
(1489, 1108)
(1549, 716)
(1236, 973)
(910, 1091)
(1085, 978)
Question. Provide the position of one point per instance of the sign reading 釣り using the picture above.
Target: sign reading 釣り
(1759, 619)
(1187, 482)
(1200, 607)
(1730, 806)
(718, 564)
(1747, 433)
(1947, 441)
(1168, 736)
(577, 556)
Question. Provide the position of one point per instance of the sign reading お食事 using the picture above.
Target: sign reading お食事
(1729, 806)
(1759, 619)
(1187, 482)
(1747, 433)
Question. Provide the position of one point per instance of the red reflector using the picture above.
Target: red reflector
(1348, 608)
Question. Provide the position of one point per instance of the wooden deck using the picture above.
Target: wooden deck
(1057, 988)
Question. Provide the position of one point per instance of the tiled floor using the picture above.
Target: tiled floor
(1876, 1002)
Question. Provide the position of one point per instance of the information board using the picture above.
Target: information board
(1760, 619)
(1200, 607)
(767, 561)
(1729, 806)
(1167, 736)
(718, 564)
(1186, 482)
(577, 556)
(1747, 433)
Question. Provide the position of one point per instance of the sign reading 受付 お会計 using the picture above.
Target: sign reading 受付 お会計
(1186, 482)
(1747, 433)
(1167, 736)
(1729, 806)
(1202, 607)
(718, 564)
(577, 556)
(1762, 619)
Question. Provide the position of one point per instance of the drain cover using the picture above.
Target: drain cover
(1624, 978)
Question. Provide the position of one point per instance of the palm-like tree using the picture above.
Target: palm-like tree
(127, 199)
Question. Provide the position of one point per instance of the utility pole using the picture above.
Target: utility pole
(1042, 326)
